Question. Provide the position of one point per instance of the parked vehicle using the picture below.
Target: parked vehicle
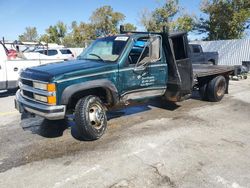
(11, 64)
(63, 53)
(199, 57)
(114, 71)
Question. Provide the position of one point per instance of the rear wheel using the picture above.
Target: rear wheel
(90, 118)
(216, 89)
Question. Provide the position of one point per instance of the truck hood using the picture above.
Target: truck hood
(48, 71)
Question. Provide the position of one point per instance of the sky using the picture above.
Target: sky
(15, 15)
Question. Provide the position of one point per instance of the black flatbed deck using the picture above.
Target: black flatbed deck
(210, 70)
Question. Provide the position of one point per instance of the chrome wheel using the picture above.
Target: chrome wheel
(96, 116)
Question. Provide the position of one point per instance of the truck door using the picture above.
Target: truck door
(144, 74)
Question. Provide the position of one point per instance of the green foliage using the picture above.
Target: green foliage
(30, 35)
(167, 16)
(185, 22)
(55, 34)
(227, 19)
(129, 27)
(80, 35)
(106, 21)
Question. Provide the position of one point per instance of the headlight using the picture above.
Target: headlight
(47, 87)
(40, 98)
(39, 85)
(46, 99)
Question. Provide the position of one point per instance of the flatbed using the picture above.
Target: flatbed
(210, 70)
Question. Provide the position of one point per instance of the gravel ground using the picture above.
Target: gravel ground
(188, 144)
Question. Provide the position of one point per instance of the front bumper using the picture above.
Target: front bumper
(46, 111)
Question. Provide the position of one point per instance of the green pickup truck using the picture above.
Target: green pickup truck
(115, 71)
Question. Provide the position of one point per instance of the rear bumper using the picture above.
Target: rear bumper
(46, 111)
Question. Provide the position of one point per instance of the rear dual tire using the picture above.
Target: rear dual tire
(214, 90)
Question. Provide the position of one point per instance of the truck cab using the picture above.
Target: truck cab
(113, 71)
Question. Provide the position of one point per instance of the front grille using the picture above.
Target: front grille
(28, 91)
(28, 94)
(27, 82)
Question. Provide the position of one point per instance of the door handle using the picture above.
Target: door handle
(15, 69)
(0, 67)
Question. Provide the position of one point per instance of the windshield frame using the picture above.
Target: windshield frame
(87, 50)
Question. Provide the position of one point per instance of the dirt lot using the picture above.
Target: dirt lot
(190, 144)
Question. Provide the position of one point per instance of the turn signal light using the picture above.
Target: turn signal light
(51, 99)
(51, 87)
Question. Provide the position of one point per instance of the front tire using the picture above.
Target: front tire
(90, 118)
(216, 88)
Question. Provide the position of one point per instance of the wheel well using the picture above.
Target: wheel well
(212, 60)
(104, 94)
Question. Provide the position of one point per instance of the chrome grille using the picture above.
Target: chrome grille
(28, 94)
(27, 82)
(28, 91)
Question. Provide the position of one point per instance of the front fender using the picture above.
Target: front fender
(103, 83)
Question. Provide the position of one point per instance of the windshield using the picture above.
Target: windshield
(105, 49)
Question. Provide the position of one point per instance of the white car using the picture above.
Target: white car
(62, 54)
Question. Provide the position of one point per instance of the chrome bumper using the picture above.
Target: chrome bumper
(46, 111)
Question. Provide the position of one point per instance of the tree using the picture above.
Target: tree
(130, 27)
(185, 22)
(30, 35)
(55, 34)
(80, 35)
(167, 15)
(106, 21)
(227, 19)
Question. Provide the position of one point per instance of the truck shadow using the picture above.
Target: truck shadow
(54, 129)
(132, 109)
(196, 96)
(142, 107)
(45, 128)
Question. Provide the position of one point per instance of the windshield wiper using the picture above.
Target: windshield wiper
(98, 57)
